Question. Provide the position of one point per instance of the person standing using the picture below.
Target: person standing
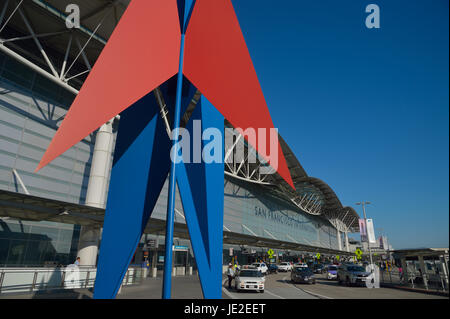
(230, 274)
(400, 271)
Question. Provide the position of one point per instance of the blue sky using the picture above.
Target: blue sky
(365, 110)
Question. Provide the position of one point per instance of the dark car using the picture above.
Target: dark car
(318, 268)
(272, 269)
(302, 275)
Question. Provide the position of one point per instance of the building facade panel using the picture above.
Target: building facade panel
(31, 109)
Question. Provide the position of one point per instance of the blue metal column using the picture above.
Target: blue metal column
(185, 8)
(141, 165)
(167, 281)
(201, 188)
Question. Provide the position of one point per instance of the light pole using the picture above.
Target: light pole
(365, 224)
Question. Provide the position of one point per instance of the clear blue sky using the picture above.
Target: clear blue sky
(366, 110)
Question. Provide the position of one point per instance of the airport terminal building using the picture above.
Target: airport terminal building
(55, 215)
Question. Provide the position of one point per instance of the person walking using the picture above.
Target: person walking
(230, 274)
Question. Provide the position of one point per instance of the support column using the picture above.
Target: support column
(405, 269)
(444, 269)
(424, 271)
(347, 245)
(339, 240)
(96, 192)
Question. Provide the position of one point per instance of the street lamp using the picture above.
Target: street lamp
(363, 204)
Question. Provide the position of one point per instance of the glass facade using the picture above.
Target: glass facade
(31, 109)
(251, 210)
(24, 243)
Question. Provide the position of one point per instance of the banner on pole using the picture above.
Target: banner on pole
(362, 229)
(370, 231)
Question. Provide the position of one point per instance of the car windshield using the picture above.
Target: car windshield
(304, 271)
(356, 268)
(250, 273)
(332, 268)
(284, 264)
(257, 265)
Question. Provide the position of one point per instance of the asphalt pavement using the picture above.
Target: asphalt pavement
(277, 286)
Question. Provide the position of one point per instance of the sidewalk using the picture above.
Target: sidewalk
(419, 290)
(183, 287)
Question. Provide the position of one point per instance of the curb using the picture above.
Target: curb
(429, 292)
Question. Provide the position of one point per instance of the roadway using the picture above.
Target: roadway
(278, 286)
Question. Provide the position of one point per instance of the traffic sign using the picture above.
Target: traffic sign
(270, 252)
(318, 255)
(358, 253)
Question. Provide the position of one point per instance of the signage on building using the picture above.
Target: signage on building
(247, 251)
(152, 244)
(180, 248)
(283, 218)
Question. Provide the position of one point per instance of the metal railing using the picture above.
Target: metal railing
(414, 279)
(30, 280)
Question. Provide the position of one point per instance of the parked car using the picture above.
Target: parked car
(261, 267)
(332, 272)
(352, 274)
(249, 279)
(318, 268)
(272, 268)
(302, 275)
(302, 265)
(284, 266)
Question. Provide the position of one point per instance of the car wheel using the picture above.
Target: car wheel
(348, 282)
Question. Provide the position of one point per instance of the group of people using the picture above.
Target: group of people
(231, 273)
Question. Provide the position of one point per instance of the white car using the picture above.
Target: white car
(284, 266)
(332, 272)
(249, 279)
(262, 267)
(301, 265)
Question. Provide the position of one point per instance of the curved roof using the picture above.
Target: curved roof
(328, 203)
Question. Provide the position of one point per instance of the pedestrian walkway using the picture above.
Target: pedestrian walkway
(416, 289)
(183, 287)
